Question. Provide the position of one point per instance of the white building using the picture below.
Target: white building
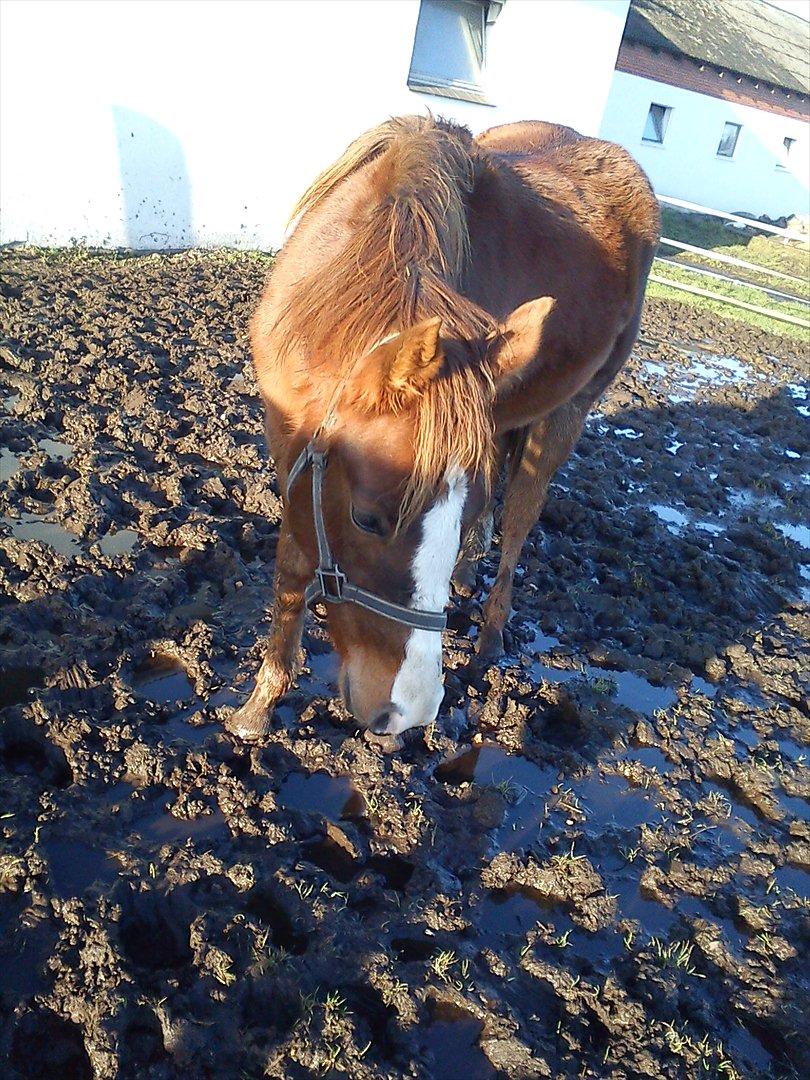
(155, 125)
(199, 122)
(712, 100)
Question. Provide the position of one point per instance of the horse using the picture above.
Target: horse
(444, 314)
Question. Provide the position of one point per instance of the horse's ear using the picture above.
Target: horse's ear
(416, 356)
(407, 362)
(519, 338)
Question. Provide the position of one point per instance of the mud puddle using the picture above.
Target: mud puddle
(324, 667)
(634, 904)
(452, 1042)
(799, 534)
(120, 542)
(51, 533)
(16, 684)
(62, 451)
(9, 464)
(793, 879)
(625, 687)
(510, 912)
(161, 826)
(648, 756)
(332, 797)
(182, 728)
(608, 801)
(523, 786)
(697, 371)
(489, 765)
(75, 866)
(25, 945)
(162, 679)
(507, 915)
(677, 520)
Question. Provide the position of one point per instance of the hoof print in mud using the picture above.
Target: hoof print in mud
(289, 931)
(26, 750)
(395, 870)
(155, 928)
(452, 1040)
(141, 1041)
(334, 853)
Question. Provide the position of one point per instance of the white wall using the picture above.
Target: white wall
(168, 124)
(686, 165)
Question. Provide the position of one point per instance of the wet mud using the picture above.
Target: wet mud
(596, 862)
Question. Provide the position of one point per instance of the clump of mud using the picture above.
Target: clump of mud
(595, 863)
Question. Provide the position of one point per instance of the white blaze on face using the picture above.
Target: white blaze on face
(418, 687)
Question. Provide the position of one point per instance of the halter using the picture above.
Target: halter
(330, 583)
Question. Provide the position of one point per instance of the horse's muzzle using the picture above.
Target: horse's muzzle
(387, 723)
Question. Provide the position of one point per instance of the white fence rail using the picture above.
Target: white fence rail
(705, 272)
(750, 223)
(730, 260)
(717, 256)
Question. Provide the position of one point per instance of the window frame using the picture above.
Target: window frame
(719, 153)
(788, 142)
(448, 87)
(665, 118)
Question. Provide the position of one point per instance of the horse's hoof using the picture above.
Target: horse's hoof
(489, 646)
(463, 590)
(464, 583)
(250, 723)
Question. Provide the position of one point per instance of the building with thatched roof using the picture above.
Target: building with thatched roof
(713, 98)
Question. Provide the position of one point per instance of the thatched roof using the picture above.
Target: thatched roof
(749, 37)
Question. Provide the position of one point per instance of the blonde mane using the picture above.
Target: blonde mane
(406, 260)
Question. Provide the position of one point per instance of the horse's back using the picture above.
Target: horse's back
(598, 177)
(527, 138)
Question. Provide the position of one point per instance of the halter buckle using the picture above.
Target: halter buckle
(331, 581)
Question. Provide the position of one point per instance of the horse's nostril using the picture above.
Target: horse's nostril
(381, 723)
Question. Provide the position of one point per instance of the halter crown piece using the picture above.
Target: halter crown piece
(330, 583)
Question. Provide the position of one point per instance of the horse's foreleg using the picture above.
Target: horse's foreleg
(546, 447)
(282, 657)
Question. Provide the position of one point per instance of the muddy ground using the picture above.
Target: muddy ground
(594, 864)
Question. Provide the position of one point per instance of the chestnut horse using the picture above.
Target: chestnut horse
(444, 307)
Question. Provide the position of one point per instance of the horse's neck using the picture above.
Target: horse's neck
(321, 233)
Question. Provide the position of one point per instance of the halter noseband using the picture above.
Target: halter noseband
(330, 583)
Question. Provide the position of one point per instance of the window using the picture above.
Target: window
(787, 147)
(449, 49)
(728, 140)
(656, 127)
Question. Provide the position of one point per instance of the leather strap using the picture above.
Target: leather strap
(330, 583)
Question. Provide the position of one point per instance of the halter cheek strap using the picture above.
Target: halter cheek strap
(330, 583)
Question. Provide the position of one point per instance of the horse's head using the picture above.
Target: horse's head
(397, 496)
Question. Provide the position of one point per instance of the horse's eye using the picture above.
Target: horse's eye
(368, 522)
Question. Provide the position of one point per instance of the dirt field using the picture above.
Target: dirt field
(595, 864)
